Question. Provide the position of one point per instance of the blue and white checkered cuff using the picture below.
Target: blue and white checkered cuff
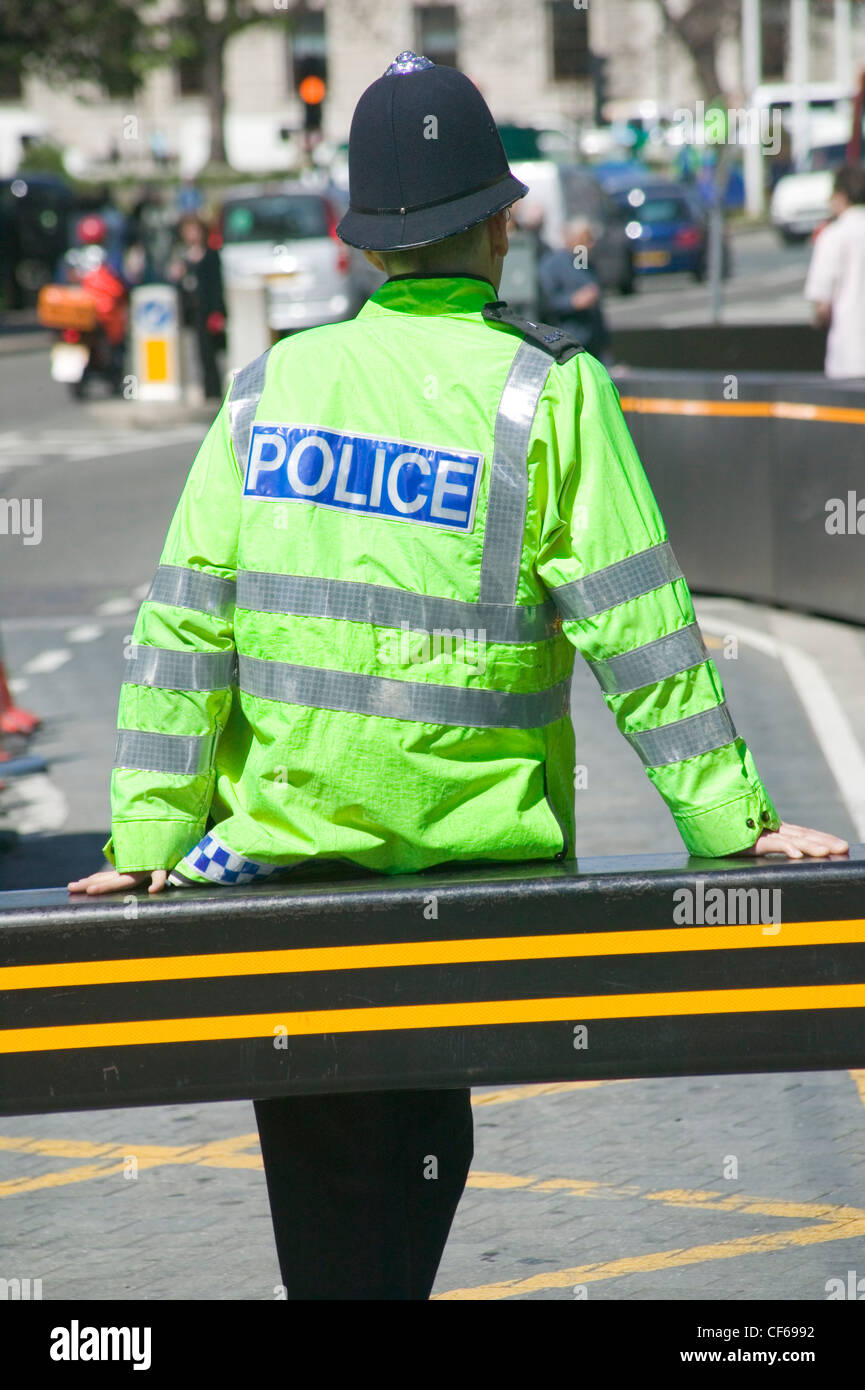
(213, 860)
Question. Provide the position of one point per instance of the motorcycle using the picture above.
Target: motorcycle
(78, 356)
(89, 323)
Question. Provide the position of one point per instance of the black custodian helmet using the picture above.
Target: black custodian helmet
(425, 159)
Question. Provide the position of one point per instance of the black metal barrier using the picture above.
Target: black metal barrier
(599, 968)
(727, 347)
(759, 479)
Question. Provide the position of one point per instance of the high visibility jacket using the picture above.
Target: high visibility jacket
(359, 641)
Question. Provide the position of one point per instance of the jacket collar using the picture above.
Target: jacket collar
(430, 294)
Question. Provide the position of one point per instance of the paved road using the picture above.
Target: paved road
(727, 1188)
(765, 286)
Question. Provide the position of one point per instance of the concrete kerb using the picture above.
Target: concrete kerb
(119, 414)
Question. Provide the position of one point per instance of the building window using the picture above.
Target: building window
(308, 47)
(190, 76)
(436, 31)
(569, 36)
(775, 23)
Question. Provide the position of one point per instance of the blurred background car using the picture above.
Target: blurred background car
(666, 224)
(800, 200)
(287, 234)
(36, 211)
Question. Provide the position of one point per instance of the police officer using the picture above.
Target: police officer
(359, 641)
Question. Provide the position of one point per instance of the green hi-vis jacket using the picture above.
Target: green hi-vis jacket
(359, 641)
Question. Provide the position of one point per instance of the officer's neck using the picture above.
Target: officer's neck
(443, 275)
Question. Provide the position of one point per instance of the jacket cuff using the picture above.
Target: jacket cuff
(729, 828)
(138, 845)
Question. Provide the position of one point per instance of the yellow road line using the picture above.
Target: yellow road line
(583, 1008)
(542, 1088)
(762, 1244)
(220, 1152)
(738, 1202)
(409, 953)
(859, 1079)
(15, 1186)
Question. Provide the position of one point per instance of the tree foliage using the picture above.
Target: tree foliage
(107, 42)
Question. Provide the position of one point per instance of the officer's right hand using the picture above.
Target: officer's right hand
(797, 842)
(110, 881)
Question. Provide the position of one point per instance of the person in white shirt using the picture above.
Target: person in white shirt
(836, 276)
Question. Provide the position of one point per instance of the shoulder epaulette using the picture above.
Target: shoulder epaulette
(555, 341)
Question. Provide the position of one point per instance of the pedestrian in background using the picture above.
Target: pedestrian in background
(199, 273)
(835, 284)
(570, 292)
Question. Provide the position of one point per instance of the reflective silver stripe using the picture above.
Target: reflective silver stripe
(173, 670)
(396, 699)
(509, 478)
(654, 661)
(378, 603)
(243, 401)
(686, 738)
(626, 579)
(187, 755)
(187, 588)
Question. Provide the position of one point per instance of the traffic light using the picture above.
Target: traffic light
(312, 89)
(598, 69)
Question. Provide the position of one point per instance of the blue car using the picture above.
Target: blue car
(667, 224)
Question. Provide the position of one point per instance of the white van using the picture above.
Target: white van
(800, 202)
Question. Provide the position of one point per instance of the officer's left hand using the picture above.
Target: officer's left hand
(110, 881)
(798, 843)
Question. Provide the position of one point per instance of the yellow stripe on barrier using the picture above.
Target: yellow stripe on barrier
(408, 953)
(776, 410)
(411, 1016)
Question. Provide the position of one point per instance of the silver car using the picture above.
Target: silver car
(284, 236)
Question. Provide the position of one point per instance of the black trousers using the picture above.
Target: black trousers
(363, 1188)
(207, 356)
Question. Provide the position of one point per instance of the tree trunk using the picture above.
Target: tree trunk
(698, 30)
(214, 86)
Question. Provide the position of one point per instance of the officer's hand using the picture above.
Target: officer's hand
(798, 843)
(110, 881)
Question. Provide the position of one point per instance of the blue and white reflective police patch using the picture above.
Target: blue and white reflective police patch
(364, 473)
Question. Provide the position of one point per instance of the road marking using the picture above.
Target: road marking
(859, 1081)
(230, 1153)
(15, 1186)
(41, 806)
(114, 606)
(46, 661)
(22, 450)
(540, 1089)
(87, 632)
(832, 728)
(762, 1244)
(737, 1202)
(50, 624)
